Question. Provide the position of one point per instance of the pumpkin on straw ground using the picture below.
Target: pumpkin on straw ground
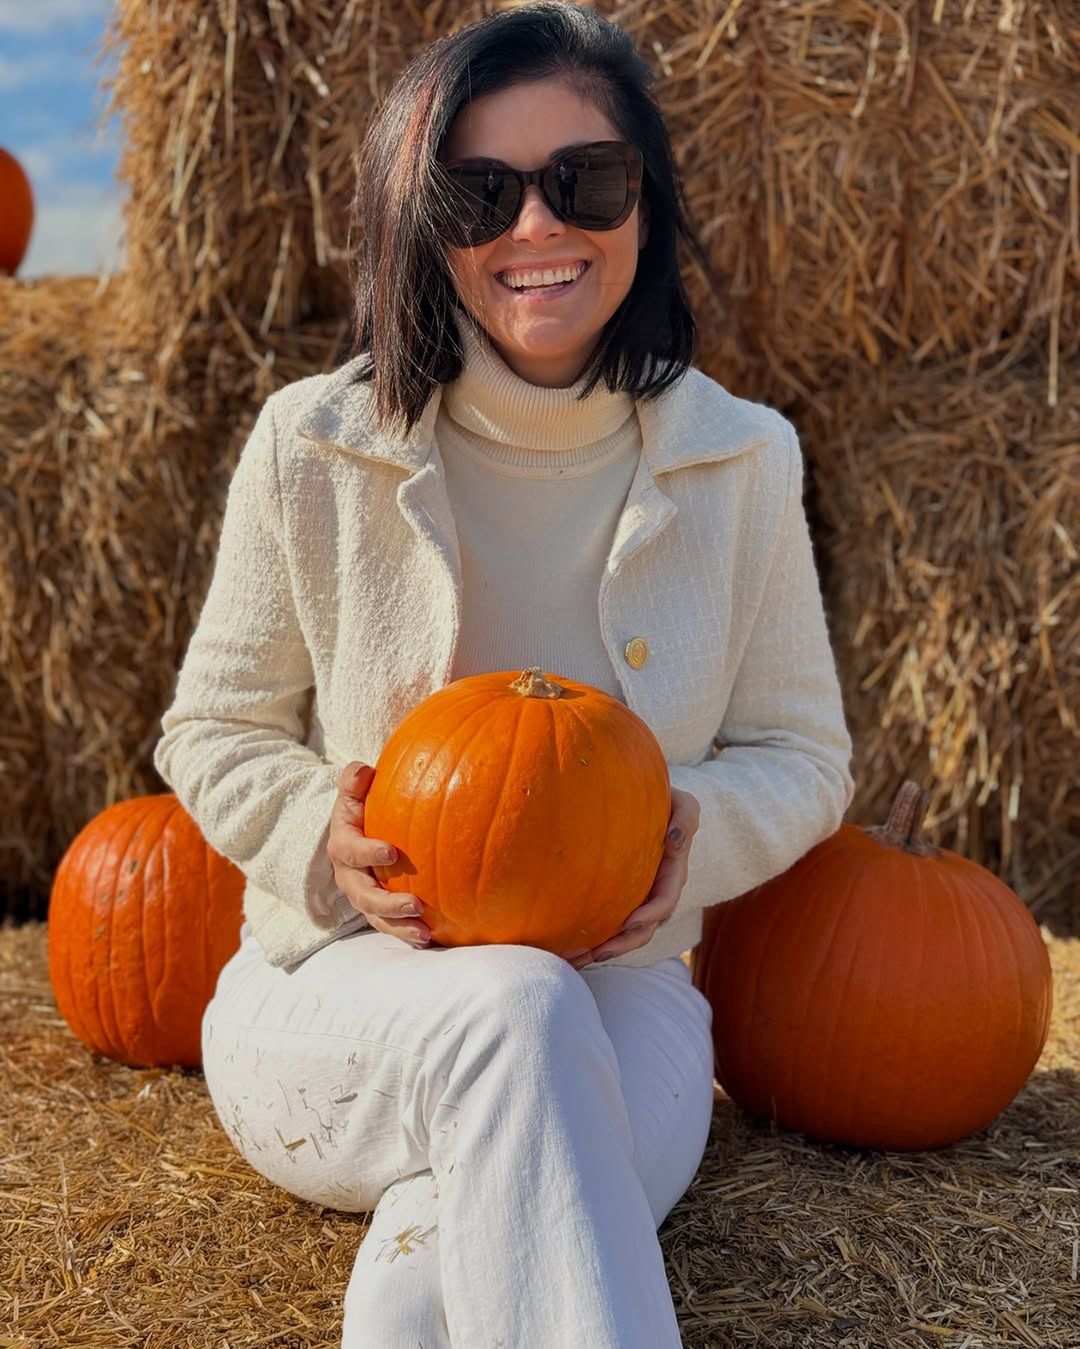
(525, 807)
(143, 914)
(882, 992)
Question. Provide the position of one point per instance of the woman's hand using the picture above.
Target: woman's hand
(659, 904)
(354, 854)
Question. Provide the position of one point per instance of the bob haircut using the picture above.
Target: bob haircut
(404, 293)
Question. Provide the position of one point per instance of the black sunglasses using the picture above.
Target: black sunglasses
(591, 186)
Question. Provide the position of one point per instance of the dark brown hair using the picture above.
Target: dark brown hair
(404, 295)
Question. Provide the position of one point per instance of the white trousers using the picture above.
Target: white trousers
(518, 1129)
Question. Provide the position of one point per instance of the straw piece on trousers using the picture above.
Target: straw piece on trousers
(561, 1114)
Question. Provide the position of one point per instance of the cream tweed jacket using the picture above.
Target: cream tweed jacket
(334, 606)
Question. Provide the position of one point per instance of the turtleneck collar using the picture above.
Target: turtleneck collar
(491, 400)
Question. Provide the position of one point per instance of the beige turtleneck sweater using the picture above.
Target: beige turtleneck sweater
(537, 481)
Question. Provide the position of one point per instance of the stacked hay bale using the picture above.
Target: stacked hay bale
(124, 405)
(950, 507)
(887, 201)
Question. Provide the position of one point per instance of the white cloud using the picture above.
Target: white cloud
(78, 229)
(44, 16)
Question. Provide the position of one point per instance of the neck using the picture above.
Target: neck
(547, 372)
(491, 399)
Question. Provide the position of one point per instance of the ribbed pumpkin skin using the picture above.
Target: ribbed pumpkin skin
(875, 998)
(142, 917)
(535, 821)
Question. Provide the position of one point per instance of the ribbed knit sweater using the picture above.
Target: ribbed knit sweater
(537, 479)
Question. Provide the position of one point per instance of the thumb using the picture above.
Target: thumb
(355, 779)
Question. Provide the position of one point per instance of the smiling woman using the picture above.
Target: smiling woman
(474, 117)
(518, 470)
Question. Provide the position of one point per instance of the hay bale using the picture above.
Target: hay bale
(241, 123)
(871, 184)
(876, 180)
(116, 482)
(950, 516)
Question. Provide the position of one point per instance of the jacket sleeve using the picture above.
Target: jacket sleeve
(232, 744)
(781, 782)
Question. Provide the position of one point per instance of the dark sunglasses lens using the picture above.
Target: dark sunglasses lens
(481, 203)
(589, 187)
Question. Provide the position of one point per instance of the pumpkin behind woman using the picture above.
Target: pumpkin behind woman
(882, 992)
(16, 212)
(142, 917)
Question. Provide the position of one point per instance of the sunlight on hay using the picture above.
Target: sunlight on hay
(131, 1219)
(950, 524)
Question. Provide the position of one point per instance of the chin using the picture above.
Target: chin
(548, 339)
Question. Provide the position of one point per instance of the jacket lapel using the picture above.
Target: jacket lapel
(695, 421)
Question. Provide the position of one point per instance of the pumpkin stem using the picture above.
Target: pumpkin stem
(903, 828)
(532, 684)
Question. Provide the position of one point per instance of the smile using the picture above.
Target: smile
(544, 283)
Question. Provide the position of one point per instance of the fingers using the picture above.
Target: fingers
(353, 783)
(393, 913)
(417, 934)
(354, 855)
(641, 924)
(671, 876)
(368, 897)
(685, 816)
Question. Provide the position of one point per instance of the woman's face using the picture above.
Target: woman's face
(545, 340)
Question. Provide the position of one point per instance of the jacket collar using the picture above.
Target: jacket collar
(671, 425)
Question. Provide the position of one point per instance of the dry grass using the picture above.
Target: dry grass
(128, 1218)
(948, 528)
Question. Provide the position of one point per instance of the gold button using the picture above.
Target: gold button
(636, 652)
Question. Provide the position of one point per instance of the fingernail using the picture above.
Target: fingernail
(411, 910)
(610, 956)
(419, 942)
(385, 855)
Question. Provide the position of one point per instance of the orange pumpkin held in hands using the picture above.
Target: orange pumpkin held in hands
(882, 992)
(142, 917)
(525, 808)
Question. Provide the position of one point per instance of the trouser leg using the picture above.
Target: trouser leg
(492, 1067)
(394, 1297)
(546, 1233)
(659, 1026)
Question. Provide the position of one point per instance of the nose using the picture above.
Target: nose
(536, 220)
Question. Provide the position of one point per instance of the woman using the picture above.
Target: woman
(518, 467)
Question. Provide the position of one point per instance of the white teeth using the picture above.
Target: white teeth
(542, 278)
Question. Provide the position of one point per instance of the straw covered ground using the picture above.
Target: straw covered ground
(128, 1218)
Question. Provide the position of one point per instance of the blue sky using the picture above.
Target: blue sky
(51, 120)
